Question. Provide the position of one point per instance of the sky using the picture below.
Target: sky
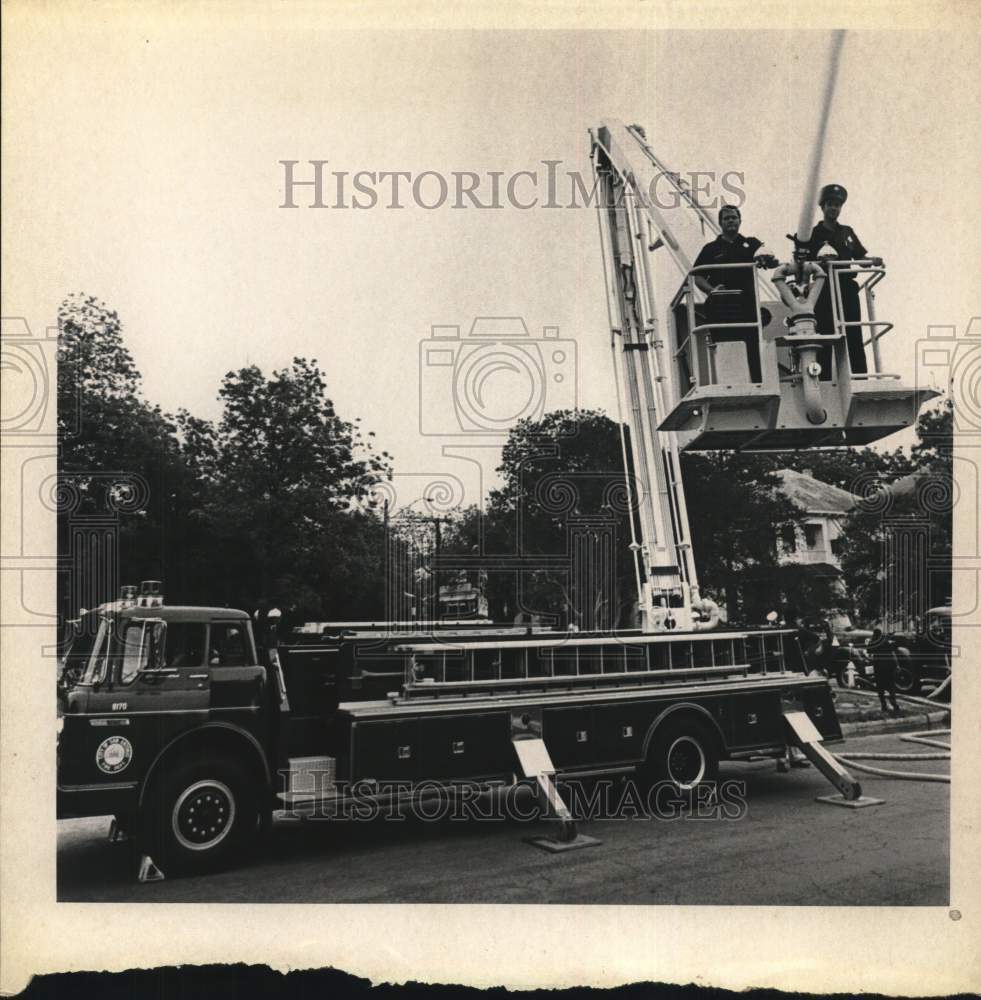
(143, 167)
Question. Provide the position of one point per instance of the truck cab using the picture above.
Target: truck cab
(152, 691)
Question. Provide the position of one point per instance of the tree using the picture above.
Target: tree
(103, 422)
(272, 501)
(897, 555)
(564, 484)
(118, 457)
(563, 499)
(736, 511)
(850, 469)
(288, 479)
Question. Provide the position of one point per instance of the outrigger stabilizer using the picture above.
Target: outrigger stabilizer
(804, 734)
(536, 763)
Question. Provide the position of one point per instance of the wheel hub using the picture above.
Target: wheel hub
(203, 815)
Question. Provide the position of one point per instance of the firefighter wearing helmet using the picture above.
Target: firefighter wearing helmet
(832, 240)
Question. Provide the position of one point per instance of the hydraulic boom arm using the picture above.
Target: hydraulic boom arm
(632, 189)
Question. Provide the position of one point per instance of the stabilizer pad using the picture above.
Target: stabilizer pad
(554, 846)
(839, 800)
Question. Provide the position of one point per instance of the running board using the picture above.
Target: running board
(805, 735)
(535, 762)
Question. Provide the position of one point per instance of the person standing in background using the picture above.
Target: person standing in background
(882, 649)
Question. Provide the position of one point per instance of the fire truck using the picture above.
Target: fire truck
(191, 734)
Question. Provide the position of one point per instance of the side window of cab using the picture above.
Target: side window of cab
(229, 645)
(185, 645)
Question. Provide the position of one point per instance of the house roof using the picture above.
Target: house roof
(813, 496)
(907, 484)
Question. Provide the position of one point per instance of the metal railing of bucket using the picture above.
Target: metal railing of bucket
(866, 288)
(689, 294)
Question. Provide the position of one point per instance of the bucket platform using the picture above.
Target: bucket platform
(719, 407)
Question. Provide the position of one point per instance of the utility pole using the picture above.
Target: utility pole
(438, 522)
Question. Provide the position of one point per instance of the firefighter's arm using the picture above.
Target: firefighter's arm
(702, 283)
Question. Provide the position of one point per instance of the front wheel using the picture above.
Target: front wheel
(685, 754)
(200, 817)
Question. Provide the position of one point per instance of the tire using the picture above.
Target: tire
(200, 817)
(907, 676)
(684, 753)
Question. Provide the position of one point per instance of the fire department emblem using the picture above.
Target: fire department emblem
(114, 754)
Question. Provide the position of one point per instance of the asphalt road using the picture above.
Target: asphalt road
(786, 849)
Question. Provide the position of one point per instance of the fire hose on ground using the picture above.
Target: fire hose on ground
(850, 759)
(940, 687)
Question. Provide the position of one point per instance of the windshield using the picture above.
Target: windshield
(94, 667)
(79, 640)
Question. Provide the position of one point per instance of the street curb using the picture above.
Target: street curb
(908, 723)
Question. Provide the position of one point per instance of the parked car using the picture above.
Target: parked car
(924, 653)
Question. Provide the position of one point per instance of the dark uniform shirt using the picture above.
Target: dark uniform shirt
(741, 251)
(741, 308)
(843, 240)
(846, 244)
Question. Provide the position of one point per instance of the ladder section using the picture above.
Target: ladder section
(462, 669)
(664, 549)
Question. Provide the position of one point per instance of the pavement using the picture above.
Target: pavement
(781, 848)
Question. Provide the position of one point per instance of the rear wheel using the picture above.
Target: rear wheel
(906, 677)
(685, 754)
(200, 817)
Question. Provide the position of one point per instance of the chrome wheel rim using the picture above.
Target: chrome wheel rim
(203, 815)
(686, 762)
